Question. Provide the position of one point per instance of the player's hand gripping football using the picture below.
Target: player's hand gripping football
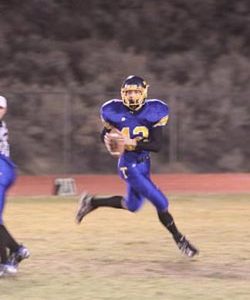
(114, 142)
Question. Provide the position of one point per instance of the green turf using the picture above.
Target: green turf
(114, 254)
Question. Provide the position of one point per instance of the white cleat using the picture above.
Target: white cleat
(187, 248)
(7, 269)
(16, 257)
(85, 207)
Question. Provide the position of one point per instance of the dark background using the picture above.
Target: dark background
(60, 60)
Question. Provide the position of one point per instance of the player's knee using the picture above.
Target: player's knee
(6, 182)
(133, 207)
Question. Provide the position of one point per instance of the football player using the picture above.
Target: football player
(11, 252)
(138, 123)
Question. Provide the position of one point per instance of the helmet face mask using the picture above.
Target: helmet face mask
(134, 92)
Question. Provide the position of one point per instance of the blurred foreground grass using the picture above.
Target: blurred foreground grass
(115, 254)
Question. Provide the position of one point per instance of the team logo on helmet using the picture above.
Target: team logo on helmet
(134, 92)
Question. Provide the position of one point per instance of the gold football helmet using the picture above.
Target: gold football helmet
(134, 91)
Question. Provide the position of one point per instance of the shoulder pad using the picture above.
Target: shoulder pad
(109, 108)
(158, 112)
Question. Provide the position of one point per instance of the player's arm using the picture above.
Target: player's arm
(103, 132)
(107, 127)
(155, 141)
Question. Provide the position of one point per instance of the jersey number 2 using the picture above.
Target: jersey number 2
(138, 130)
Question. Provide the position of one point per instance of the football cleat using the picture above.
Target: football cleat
(16, 257)
(186, 247)
(7, 269)
(85, 207)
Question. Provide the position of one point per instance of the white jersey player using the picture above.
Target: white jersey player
(11, 252)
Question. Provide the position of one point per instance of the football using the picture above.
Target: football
(115, 140)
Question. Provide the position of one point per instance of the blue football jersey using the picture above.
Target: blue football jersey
(135, 123)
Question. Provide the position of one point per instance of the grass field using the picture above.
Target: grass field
(115, 254)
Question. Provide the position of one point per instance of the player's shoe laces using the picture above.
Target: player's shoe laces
(16, 257)
(85, 207)
(186, 247)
